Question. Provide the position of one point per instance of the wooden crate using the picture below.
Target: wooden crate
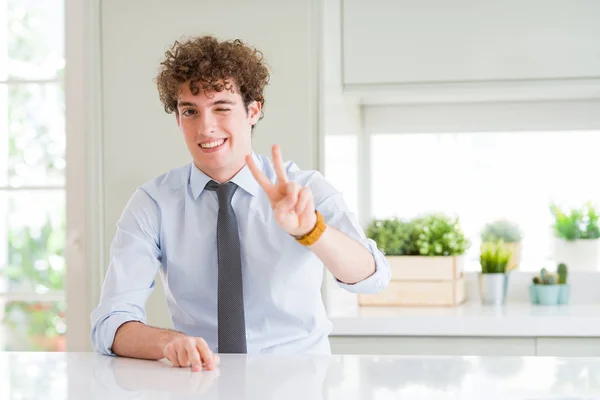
(423, 268)
(418, 293)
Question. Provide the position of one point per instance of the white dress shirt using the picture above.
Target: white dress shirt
(169, 226)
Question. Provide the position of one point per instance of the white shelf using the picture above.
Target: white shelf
(469, 320)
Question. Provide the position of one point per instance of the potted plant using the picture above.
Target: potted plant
(439, 235)
(426, 257)
(430, 246)
(550, 289)
(394, 236)
(511, 235)
(493, 278)
(577, 237)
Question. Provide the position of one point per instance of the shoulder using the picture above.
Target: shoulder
(168, 184)
(148, 198)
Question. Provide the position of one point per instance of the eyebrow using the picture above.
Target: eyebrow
(214, 103)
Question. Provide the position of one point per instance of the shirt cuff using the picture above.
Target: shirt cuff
(105, 334)
(378, 281)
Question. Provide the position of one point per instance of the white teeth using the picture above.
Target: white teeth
(210, 145)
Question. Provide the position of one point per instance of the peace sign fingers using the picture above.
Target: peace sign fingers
(275, 191)
(262, 179)
(282, 179)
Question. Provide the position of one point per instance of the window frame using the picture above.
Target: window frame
(438, 118)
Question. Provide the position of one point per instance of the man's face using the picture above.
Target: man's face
(217, 130)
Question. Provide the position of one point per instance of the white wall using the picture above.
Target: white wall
(484, 116)
(141, 141)
(429, 41)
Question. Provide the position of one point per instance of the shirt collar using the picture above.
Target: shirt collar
(243, 179)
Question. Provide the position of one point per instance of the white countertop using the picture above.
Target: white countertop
(42, 376)
(470, 319)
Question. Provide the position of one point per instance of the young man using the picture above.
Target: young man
(239, 241)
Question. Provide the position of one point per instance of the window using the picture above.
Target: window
(480, 176)
(478, 161)
(32, 175)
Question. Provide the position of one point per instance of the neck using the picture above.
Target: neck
(223, 175)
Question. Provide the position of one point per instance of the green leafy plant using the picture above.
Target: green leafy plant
(36, 258)
(501, 229)
(440, 235)
(434, 234)
(576, 223)
(394, 237)
(494, 257)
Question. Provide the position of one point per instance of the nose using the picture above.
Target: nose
(208, 124)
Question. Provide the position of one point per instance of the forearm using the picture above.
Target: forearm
(137, 340)
(346, 259)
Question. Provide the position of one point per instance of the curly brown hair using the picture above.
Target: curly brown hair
(209, 64)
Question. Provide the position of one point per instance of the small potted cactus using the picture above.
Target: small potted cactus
(565, 289)
(550, 288)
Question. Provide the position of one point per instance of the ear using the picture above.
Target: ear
(177, 118)
(254, 112)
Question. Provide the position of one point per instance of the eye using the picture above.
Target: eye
(188, 113)
(223, 109)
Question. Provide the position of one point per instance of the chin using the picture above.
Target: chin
(213, 162)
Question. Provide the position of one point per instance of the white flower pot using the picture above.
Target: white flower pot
(578, 255)
(493, 288)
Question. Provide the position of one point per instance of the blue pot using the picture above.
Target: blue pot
(564, 294)
(533, 294)
(548, 295)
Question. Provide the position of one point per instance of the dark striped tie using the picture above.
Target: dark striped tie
(230, 297)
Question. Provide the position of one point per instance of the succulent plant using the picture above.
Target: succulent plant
(562, 273)
(548, 278)
(501, 229)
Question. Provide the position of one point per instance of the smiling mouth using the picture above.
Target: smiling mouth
(212, 145)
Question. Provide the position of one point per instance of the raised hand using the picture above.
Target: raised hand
(292, 205)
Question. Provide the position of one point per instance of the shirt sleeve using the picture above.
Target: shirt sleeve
(134, 262)
(331, 204)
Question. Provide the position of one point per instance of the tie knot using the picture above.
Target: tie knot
(224, 191)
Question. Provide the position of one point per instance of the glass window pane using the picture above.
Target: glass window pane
(34, 326)
(32, 241)
(33, 154)
(487, 175)
(34, 39)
